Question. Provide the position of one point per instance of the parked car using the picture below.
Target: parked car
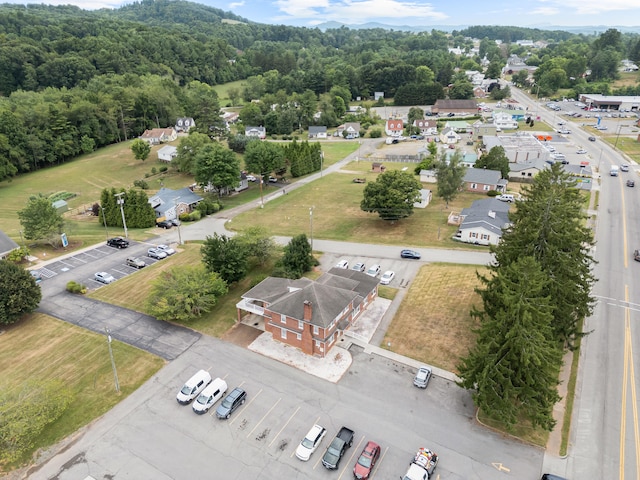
(410, 254)
(342, 264)
(273, 179)
(175, 222)
(631, 183)
(36, 276)
(423, 376)
(164, 224)
(374, 270)
(367, 461)
(232, 401)
(166, 249)
(135, 262)
(359, 267)
(104, 277)
(251, 178)
(387, 277)
(192, 388)
(118, 242)
(157, 254)
(580, 151)
(210, 396)
(310, 442)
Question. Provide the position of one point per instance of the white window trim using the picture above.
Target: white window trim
(283, 334)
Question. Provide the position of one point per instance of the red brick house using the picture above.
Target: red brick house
(310, 315)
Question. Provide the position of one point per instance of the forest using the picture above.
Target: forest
(75, 80)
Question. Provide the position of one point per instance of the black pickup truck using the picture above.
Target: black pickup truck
(336, 449)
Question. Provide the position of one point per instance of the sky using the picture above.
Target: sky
(525, 13)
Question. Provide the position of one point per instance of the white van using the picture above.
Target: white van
(193, 387)
(210, 396)
(506, 197)
(614, 171)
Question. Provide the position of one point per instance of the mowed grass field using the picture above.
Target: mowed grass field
(433, 322)
(335, 200)
(41, 348)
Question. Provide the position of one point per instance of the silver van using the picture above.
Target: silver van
(193, 387)
(210, 396)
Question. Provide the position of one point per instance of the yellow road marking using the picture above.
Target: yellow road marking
(287, 423)
(265, 416)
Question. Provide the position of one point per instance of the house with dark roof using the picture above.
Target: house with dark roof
(444, 107)
(427, 127)
(183, 124)
(481, 180)
(483, 223)
(7, 245)
(310, 315)
(319, 131)
(170, 204)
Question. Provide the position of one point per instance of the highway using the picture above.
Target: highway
(605, 433)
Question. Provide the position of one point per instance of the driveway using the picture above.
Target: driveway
(142, 331)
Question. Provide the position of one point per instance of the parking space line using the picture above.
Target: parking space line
(377, 467)
(265, 416)
(353, 452)
(68, 264)
(77, 257)
(123, 273)
(89, 255)
(245, 406)
(283, 427)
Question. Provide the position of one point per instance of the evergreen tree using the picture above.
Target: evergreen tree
(513, 369)
(449, 175)
(298, 257)
(549, 225)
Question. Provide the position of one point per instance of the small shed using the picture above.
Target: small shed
(60, 205)
(377, 167)
(425, 198)
(167, 153)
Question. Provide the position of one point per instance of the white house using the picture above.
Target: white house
(425, 198)
(167, 153)
(504, 121)
(170, 204)
(483, 222)
(449, 136)
(256, 132)
(428, 176)
(394, 128)
(183, 124)
(156, 136)
(317, 131)
(427, 127)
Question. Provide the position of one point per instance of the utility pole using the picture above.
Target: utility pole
(175, 207)
(113, 362)
(121, 203)
(311, 225)
(104, 220)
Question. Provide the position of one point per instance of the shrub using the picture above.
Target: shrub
(75, 287)
(184, 217)
(18, 254)
(141, 184)
(493, 193)
(163, 168)
(216, 207)
(147, 175)
(375, 133)
(153, 171)
(195, 216)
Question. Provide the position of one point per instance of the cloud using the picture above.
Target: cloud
(363, 10)
(236, 5)
(84, 4)
(595, 7)
(545, 11)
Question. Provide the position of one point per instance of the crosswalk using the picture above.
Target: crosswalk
(46, 273)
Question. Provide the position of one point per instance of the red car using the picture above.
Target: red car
(366, 462)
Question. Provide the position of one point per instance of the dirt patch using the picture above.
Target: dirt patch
(242, 335)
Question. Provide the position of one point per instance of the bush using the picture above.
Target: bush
(75, 287)
(493, 193)
(153, 171)
(195, 216)
(184, 217)
(375, 133)
(147, 175)
(141, 184)
(163, 168)
(18, 254)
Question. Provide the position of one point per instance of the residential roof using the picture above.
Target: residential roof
(537, 164)
(488, 213)
(168, 150)
(317, 129)
(6, 244)
(470, 105)
(157, 132)
(166, 198)
(395, 125)
(272, 288)
(482, 175)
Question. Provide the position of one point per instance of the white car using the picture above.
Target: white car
(581, 151)
(104, 277)
(251, 178)
(387, 277)
(374, 270)
(166, 249)
(156, 253)
(342, 264)
(310, 442)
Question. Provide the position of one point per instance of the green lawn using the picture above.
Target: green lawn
(337, 216)
(42, 348)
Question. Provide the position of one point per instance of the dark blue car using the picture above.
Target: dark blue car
(410, 254)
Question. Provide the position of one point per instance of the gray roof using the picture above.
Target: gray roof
(482, 175)
(313, 130)
(478, 215)
(6, 244)
(272, 288)
(165, 198)
(538, 164)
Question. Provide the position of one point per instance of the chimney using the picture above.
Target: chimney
(308, 311)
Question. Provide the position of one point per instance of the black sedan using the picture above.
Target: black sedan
(410, 254)
(631, 183)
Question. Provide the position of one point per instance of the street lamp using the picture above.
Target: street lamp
(175, 208)
(615, 145)
(113, 362)
(311, 225)
(121, 203)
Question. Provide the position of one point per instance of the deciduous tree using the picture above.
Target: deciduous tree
(392, 195)
(217, 166)
(297, 259)
(19, 293)
(495, 159)
(225, 256)
(140, 149)
(40, 220)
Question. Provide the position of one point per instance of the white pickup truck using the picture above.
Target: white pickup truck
(422, 466)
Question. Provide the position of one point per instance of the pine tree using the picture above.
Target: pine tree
(513, 369)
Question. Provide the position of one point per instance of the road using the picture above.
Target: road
(605, 434)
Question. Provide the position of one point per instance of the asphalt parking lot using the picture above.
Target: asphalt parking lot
(150, 436)
(404, 269)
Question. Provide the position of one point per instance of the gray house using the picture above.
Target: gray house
(481, 180)
(317, 131)
(483, 222)
(170, 204)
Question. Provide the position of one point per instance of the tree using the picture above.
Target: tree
(24, 414)
(428, 162)
(392, 195)
(225, 256)
(461, 89)
(138, 211)
(297, 259)
(257, 244)
(513, 369)
(494, 69)
(495, 159)
(188, 149)
(19, 293)
(40, 220)
(263, 158)
(185, 293)
(415, 113)
(550, 226)
(217, 166)
(449, 175)
(500, 93)
(140, 149)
